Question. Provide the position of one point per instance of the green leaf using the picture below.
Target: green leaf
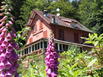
(92, 62)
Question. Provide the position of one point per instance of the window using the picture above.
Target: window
(32, 47)
(24, 51)
(61, 47)
(61, 34)
(65, 47)
(29, 49)
(41, 45)
(35, 46)
(38, 46)
(76, 37)
(45, 44)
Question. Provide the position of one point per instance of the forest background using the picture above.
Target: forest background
(87, 12)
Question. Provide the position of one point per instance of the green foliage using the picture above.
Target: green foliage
(22, 36)
(91, 13)
(32, 66)
(73, 64)
(97, 41)
(66, 9)
(17, 4)
(26, 9)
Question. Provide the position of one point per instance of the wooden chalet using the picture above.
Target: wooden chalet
(66, 32)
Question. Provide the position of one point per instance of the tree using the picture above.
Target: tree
(66, 9)
(17, 4)
(26, 9)
(90, 14)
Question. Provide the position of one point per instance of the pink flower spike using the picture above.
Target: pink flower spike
(51, 59)
(8, 56)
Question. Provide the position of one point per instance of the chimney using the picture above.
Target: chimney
(53, 19)
(45, 12)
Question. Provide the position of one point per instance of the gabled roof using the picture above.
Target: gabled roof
(61, 21)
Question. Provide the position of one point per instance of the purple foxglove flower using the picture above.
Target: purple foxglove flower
(2, 23)
(8, 25)
(3, 19)
(2, 74)
(2, 57)
(8, 74)
(51, 59)
(2, 66)
(10, 22)
(4, 30)
(8, 56)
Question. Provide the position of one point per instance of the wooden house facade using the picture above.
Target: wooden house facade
(66, 32)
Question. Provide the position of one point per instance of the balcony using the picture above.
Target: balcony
(42, 45)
